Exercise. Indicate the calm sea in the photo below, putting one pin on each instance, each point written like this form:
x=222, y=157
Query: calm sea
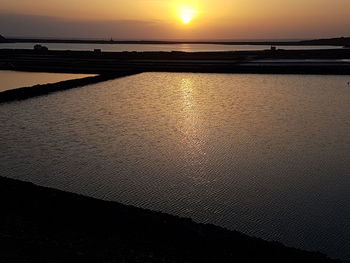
x=156, y=47
x=268, y=155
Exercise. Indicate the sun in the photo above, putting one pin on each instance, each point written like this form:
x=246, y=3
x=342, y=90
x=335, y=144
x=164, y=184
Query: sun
x=186, y=14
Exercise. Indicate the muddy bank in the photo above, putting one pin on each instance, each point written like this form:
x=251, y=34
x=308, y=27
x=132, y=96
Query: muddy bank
x=201, y=62
x=39, y=90
x=39, y=224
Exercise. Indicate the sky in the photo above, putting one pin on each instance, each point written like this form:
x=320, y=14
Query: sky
x=175, y=19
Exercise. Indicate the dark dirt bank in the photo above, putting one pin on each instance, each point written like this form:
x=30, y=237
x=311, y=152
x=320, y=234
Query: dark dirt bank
x=201, y=62
x=39, y=90
x=39, y=224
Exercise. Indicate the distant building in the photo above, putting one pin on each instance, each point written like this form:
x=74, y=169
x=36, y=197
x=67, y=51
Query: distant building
x=38, y=47
x=273, y=48
x=97, y=50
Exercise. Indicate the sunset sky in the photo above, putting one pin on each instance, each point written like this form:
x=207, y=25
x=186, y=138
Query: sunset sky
x=165, y=19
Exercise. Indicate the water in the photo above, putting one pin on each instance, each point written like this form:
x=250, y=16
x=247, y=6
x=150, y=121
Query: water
x=268, y=155
x=155, y=47
x=15, y=79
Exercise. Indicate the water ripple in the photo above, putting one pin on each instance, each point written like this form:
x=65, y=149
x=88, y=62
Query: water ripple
x=268, y=155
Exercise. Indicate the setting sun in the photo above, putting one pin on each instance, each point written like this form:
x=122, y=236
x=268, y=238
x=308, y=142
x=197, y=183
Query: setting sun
x=186, y=14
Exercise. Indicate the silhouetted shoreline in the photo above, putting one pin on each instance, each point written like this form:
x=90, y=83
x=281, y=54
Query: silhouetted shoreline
x=97, y=62
x=341, y=41
x=39, y=224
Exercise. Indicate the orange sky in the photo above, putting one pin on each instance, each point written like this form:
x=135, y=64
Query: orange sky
x=213, y=19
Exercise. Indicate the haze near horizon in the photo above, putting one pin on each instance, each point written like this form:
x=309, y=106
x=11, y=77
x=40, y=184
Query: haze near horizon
x=175, y=19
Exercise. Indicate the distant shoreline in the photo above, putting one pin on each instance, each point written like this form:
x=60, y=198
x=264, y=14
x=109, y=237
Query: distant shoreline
x=91, y=62
x=343, y=41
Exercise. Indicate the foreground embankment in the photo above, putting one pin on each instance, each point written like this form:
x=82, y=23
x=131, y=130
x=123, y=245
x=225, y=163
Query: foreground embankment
x=202, y=62
x=39, y=224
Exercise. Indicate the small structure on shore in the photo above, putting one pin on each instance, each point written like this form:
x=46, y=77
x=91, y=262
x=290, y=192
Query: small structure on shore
x=38, y=47
x=2, y=39
x=273, y=48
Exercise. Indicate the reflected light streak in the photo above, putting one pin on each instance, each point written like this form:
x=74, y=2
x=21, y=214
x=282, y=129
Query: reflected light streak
x=193, y=132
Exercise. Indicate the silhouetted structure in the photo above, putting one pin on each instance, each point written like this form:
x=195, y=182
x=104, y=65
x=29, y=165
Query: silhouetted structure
x=40, y=48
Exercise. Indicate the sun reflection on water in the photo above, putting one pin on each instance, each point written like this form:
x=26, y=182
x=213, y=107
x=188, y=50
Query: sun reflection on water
x=193, y=131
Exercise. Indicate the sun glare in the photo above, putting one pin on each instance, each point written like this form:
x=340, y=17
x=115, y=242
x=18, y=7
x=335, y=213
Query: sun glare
x=186, y=14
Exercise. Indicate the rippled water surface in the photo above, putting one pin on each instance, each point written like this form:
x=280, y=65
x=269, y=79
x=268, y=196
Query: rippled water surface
x=268, y=155
x=15, y=79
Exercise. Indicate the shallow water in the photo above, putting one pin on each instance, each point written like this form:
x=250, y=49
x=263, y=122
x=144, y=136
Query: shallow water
x=156, y=47
x=15, y=79
x=268, y=155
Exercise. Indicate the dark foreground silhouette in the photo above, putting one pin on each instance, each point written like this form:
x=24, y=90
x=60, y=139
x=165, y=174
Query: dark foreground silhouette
x=39, y=224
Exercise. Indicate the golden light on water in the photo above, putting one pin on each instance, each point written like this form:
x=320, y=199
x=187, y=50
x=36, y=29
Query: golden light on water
x=186, y=14
x=193, y=135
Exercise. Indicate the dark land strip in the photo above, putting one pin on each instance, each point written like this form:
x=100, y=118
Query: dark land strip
x=39, y=90
x=199, y=62
x=39, y=224
x=340, y=41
